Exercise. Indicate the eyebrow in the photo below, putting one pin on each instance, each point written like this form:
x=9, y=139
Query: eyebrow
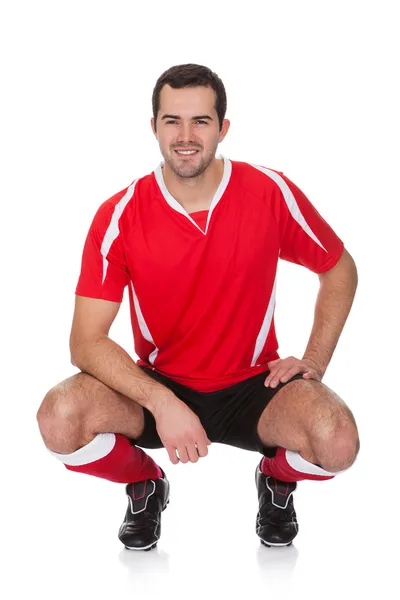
x=178, y=117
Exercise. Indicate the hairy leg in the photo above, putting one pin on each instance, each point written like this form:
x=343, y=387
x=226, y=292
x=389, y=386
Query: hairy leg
x=75, y=410
x=311, y=419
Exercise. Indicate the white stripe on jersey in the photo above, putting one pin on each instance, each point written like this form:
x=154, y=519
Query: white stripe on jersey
x=144, y=329
x=266, y=324
x=113, y=228
x=291, y=202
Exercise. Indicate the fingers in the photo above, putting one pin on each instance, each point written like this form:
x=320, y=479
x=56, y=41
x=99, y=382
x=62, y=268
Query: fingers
x=273, y=378
x=283, y=370
x=172, y=454
x=192, y=453
x=189, y=452
x=281, y=375
x=273, y=362
x=202, y=449
x=286, y=376
x=183, y=454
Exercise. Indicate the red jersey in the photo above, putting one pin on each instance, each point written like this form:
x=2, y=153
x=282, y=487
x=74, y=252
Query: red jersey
x=202, y=286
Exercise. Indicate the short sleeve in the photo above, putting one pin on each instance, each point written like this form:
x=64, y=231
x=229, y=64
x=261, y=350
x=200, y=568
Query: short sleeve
x=305, y=237
x=104, y=273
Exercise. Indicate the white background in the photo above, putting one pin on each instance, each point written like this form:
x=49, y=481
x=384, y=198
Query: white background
x=312, y=91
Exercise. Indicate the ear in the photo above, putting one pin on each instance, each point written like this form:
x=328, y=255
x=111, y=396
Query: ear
x=225, y=127
x=152, y=126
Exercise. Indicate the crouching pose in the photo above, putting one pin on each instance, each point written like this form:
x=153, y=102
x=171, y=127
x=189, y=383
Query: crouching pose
x=197, y=242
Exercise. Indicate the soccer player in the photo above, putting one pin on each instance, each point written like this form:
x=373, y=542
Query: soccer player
x=197, y=242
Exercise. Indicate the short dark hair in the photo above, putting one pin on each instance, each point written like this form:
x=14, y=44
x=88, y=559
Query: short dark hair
x=191, y=75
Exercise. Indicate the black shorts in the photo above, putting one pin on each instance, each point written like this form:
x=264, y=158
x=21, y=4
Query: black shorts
x=229, y=416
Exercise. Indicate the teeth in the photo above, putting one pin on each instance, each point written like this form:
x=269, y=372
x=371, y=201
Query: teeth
x=186, y=151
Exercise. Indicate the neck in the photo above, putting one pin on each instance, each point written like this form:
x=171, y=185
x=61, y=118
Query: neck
x=194, y=193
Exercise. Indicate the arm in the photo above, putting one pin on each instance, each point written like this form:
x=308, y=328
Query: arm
x=98, y=296
x=335, y=298
x=307, y=239
x=93, y=352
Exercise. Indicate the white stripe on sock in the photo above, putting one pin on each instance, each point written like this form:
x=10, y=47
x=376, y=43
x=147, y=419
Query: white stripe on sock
x=299, y=463
x=99, y=447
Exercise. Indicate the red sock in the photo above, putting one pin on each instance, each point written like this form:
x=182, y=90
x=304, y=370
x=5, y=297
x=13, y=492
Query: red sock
x=290, y=466
x=111, y=456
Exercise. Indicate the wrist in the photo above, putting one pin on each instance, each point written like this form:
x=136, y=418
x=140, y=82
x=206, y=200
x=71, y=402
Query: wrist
x=315, y=362
x=161, y=401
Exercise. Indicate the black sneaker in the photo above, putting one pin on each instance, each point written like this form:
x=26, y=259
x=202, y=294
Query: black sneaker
x=147, y=499
x=276, y=523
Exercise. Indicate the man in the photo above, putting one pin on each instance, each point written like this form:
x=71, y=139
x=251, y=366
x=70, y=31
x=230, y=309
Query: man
x=197, y=242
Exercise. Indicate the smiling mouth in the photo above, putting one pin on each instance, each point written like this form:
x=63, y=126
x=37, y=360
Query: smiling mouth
x=187, y=153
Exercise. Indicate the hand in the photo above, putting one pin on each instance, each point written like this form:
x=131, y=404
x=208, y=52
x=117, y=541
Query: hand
x=180, y=429
x=283, y=369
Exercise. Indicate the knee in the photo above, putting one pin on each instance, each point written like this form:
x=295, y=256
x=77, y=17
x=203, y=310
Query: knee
x=57, y=414
x=337, y=448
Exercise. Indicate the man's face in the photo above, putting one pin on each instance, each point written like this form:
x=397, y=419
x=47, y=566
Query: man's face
x=179, y=127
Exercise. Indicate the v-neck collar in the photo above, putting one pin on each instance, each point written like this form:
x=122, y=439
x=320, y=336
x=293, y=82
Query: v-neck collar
x=217, y=196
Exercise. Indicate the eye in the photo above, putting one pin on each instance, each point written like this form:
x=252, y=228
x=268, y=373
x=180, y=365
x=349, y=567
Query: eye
x=198, y=121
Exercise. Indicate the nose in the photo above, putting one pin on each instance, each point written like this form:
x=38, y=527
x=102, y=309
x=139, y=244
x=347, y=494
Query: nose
x=186, y=135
